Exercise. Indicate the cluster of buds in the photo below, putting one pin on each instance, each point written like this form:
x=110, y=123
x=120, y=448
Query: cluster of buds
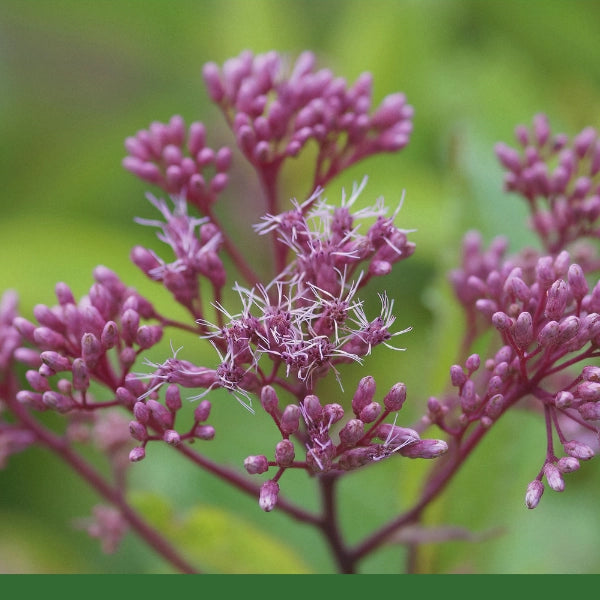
x=346, y=447
x=548, y=318
x=195, y=243
x=569, y=190
x=179, y=162
x=326, y=240
x=98, y=339
x=275, y=111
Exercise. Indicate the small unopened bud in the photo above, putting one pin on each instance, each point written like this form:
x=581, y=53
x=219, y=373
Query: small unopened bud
x=588, y=391
x=138, y=431
x=172, y=437
x=370, y=412
x=138, y=453
x=567, y=464
x=523, y=330
x=590, y=411
x=161, y=414
x=173, y=398
x=365, y=391
x=556, y=301
x=554, y=477
x=577, y=283
x=457, y=375
x=425, y=449
x=269, y=400
x=290, y=419
x=141, y=412
x=549, y=333
x=148, y=335
x=534, y=493
x=269, y=492
x=31, y=400
x=563, y=399
x=501, y=321
x=568, y=329
x=284, y=453
x=255, y=465
x=202, y=411
x=473, y=362
x=55, y=361
x=91, y=349
x=58, y=402
x=352, y=432
x=204, y=432
x=312, y=407
x=332, y=413
x=395, y=398
x=81, y=377
x=578, y=450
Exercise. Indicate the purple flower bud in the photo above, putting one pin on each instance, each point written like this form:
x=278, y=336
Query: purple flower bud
x=110, y=335
x=38, y=382
x=563, y=399
x=269, y=492
x=269, y=400
x=549, y=333
x=370, y=412
x=31, y=400
x=81, y=376
x=395, y=398
x=64, y=295
x=567, y=464
x=534, y=493
x=127, y=357
x=204, y=432
x=396, y=435
x=28, y=356
x=55, y=361
x=473, y=363
x=568, y=329
x=332, y=413
x=138, y=453
x=425, y=449
x=58, y=402
x=578, y=450
x=141, y=412
x=202, y=411
x=590, y=411
x=501, y=321
x=290, y=419
x=161, y=414
x=48, y=339
x=364, y=394
x=523, y=330
x=138, y=431
x=130, y=321
x=172, y=437
x=173, y=398
x=588, y=391
x=457, y=376
x=356, y=457
x=25, y=328
x=46, y=317
x=554, y=477
x=284, y=453
x=91, y=350
x=255, y=465
x=352, y=432
x=148, y=335
x=556, y=301
x=545, y=274
x=577, y=283
x=494, y=406
x=312, y=407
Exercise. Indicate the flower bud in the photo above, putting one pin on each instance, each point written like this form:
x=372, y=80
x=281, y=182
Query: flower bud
x=312, y=407
x=534, y=493
x=590, y=411
x=255, y=465
x=332, y=413
x=138, y=453
x=91, y=349
x=269, y=492
x=138, y=431
x=578, y=450
x=424, y=449
x=370, y=412
x=577, y=283
x=549, y=333
x=172, y=437
x=204, y=432
x=563, y=399
x=394, y=399
x=556, y=301
x=268, y=399
x=141, y=412
x=567, y=464
x=81, y=377
x=554, y=477
x=352, y=432
x=457, y=376
x=290, y=419
x=501, y=321
x=58, y=402
x=523, y=330
x=55, y=361
x=161, y=414
x=173, y=398
x=365, y=391
x=202, y=411
x=284, y=453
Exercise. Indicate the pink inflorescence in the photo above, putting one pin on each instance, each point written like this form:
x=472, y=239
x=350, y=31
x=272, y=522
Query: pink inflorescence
x=560, y=178
x=275, y=110
x=179, y=161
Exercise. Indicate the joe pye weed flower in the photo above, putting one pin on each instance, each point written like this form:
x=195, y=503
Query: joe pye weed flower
x=282, y=335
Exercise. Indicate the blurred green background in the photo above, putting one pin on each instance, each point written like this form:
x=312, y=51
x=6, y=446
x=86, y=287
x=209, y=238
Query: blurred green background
x=77, y=77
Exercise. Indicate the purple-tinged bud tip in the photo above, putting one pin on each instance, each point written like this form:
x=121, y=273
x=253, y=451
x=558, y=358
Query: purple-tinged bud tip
x=534, y=493
x=269, y=492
